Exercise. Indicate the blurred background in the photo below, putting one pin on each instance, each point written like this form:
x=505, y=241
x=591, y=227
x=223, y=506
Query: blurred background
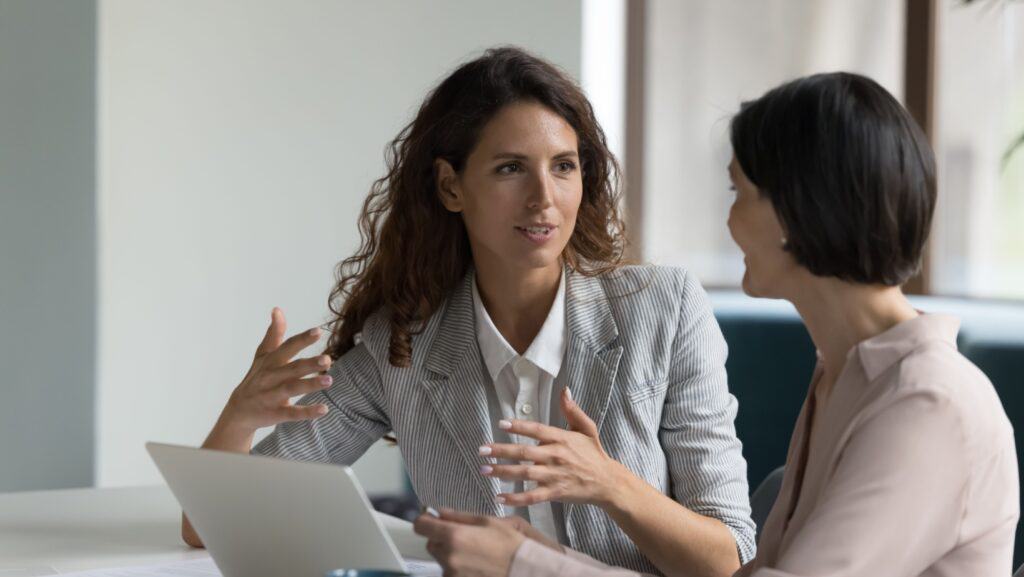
x=170, y=171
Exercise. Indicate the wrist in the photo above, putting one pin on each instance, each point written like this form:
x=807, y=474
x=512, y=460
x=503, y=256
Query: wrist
x=624, y=490
x=229, y=434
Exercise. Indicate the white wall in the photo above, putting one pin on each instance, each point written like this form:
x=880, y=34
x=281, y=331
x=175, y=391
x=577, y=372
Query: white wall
x=703, y=59
x=236, y=142
x=47, y=244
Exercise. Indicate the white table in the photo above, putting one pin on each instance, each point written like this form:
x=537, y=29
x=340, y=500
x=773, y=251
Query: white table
x=81, y=529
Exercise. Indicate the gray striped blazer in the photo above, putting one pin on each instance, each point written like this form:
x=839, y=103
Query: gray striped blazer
x=645, y=359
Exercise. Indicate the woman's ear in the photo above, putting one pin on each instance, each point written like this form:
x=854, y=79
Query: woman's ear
x=448, y=189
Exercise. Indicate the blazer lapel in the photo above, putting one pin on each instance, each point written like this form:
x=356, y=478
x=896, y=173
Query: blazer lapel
x=592, y=357
x=593, y=353
x=455, y=388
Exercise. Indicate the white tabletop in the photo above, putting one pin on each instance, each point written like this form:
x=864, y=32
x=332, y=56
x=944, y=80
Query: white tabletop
x=81, y=529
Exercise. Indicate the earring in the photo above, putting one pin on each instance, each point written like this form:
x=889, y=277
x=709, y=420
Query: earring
x=784, y=242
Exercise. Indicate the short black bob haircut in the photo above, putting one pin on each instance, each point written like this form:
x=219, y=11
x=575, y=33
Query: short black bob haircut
x=850, y=174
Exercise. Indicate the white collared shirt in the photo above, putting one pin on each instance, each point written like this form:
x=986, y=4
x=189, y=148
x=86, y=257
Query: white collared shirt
x=523, y=383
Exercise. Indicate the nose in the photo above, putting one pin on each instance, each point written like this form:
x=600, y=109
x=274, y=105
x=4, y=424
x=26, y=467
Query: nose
x=541, y=192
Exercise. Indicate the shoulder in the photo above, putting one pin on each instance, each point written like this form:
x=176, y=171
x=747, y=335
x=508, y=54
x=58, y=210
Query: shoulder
x=666, y=285
x=656, y=295
x=947, y=387
x=373, y=342
x=660, y=309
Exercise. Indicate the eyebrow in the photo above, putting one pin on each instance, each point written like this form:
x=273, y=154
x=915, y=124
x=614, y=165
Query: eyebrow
x=521, y=156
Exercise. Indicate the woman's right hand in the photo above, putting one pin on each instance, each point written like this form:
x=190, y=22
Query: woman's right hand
x=263, y=398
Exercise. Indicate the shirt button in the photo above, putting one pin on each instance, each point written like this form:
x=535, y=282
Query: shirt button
x=526, y=408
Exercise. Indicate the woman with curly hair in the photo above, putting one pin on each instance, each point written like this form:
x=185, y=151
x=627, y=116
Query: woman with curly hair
x=491, y=278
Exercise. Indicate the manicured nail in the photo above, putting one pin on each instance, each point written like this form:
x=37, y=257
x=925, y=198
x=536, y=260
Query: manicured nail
x=324, y=379
x=500, y=499
x=486, y=470
x=504, y=424
x=324, y=361
x=484, y=450
x=568, y=394
x=314, y=332
x=432, y=512
x=321, y=410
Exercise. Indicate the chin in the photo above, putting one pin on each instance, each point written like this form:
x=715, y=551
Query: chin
x=540, y=260
x=541, y=257
x=751, y=288
x=747, y=286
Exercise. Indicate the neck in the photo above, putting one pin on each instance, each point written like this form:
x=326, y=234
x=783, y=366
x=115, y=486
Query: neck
x=839, y=315
x=518, y=301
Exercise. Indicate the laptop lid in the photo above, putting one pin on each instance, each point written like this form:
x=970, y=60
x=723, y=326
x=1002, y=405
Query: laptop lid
x=265, y=517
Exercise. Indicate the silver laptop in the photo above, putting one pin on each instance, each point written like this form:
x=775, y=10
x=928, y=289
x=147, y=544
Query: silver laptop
x=265, y=517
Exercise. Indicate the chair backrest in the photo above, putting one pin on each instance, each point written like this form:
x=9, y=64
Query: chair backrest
x=763, y=499
x=771, y=359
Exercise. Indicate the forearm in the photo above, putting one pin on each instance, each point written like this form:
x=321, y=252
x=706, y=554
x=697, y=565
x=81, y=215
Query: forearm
x=225, y=436
x=677, y=540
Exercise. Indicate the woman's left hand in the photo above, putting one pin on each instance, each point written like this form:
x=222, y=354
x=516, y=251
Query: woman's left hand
x=567, y=465
x=468, y=545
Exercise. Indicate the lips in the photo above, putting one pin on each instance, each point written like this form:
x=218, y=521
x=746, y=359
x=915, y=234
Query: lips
x=538, y=233
x=540, y=229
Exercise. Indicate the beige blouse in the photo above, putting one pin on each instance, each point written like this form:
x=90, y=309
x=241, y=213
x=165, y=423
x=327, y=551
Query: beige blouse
x=910, y=470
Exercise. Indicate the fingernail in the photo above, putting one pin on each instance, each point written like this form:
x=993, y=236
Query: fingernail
x=500, y=499
x=504, y=424
x=314, y=332
x=568, y=394
x=321, y=410
x=486, y=470
x=324, y=379
x=324, y=361
x=484, y=450
x=432, y=511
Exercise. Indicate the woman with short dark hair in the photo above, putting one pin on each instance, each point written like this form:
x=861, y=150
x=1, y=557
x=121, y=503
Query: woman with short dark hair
x=902, y=462
x=847, y=172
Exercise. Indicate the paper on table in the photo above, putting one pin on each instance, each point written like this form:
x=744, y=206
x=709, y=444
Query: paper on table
x=28, y=572
x=412, y=547
x=194, y=568
x=206, y=568
x=409, y=544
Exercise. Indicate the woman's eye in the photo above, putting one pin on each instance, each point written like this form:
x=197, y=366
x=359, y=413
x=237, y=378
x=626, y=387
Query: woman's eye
x=510, y=168
x=566, y=166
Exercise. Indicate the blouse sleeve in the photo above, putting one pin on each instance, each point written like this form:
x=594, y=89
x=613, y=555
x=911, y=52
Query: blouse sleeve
x=535, y=560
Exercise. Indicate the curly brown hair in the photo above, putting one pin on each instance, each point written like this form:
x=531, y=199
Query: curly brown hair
x=414, y=252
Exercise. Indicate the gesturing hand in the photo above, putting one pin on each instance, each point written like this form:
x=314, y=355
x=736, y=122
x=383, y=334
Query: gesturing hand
x=263, y=397
x=566, y=465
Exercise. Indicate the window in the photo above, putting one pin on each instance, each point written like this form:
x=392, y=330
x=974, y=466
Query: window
x=702, y=58
x=978, y=237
